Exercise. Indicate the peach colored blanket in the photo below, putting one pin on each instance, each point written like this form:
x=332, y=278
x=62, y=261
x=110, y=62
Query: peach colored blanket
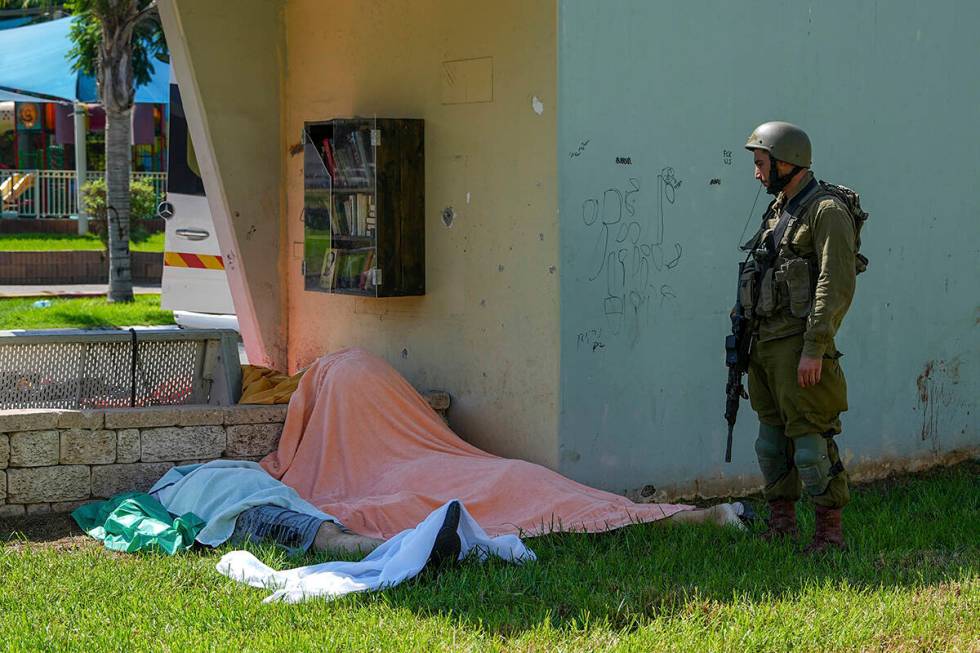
x=361, y=444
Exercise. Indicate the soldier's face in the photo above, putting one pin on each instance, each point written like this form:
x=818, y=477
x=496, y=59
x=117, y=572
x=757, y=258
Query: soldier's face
x=761, y=166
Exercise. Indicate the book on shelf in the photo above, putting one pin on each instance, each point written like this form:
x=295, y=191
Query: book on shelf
x=371, y=221
x=349, y=159
x=328, y=269
x=328, y=158
x=335, y=217
x=367, y=274
x=352, y=264
x=361, y=213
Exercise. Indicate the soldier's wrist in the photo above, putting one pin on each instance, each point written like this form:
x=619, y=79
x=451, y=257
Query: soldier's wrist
x=813, y=349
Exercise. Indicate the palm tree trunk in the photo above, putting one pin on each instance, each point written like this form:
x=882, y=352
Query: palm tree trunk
x=115, y=78
x=118, y=162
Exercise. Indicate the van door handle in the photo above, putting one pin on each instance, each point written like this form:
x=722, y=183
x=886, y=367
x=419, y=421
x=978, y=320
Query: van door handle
x=193, y=234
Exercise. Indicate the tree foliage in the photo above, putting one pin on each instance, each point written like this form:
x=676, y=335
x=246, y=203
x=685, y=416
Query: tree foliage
x=149, y=46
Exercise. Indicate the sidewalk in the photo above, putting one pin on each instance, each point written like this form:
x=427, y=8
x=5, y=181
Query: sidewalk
x=70, y=290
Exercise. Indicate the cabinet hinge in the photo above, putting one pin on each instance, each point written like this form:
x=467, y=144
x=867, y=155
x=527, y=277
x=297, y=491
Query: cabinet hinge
x=375, y=137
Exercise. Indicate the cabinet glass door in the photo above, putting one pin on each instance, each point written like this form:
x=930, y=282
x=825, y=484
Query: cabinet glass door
x=355, y=206
x=317, y=203
x=342, y=230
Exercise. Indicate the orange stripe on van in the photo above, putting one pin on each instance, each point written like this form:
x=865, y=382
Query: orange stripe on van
x=198, y=261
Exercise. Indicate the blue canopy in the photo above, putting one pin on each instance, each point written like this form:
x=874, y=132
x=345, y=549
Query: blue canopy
x=9, y=96
x=10, y=23
x=33, y=59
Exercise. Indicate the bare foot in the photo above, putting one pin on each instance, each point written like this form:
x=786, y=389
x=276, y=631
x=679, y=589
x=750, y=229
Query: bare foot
x=723, y=514
x=333, y=537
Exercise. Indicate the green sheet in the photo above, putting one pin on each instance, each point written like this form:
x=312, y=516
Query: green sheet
x=135, y=521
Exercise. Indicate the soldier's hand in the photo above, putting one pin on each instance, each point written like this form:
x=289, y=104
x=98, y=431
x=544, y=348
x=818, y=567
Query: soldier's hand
x=808, y=373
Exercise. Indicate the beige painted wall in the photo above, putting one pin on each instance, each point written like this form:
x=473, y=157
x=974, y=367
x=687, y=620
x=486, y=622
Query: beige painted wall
x=228, y=59
x=487, y=329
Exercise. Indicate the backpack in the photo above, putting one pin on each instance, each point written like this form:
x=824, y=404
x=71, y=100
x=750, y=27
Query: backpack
x=852, y=201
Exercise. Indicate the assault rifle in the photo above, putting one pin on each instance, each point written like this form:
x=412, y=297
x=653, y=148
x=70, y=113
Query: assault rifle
x=737, y=348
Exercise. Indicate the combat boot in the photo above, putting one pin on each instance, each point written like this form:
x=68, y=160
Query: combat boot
x=828, y=534
x=782, y=520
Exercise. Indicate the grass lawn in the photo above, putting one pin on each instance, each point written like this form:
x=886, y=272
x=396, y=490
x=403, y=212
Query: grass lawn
x=81, y=313
x=61, y=242
x=910, y=582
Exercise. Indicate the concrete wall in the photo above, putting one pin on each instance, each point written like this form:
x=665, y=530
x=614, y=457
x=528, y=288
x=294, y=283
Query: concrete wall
x=228, y=60
x=888, y=92
x=487, y=326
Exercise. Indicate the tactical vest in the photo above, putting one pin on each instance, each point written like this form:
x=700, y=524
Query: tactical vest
x=776, y=278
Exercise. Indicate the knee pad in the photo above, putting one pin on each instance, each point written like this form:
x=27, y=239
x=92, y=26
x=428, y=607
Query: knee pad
x=772, y=453
x=813, y=462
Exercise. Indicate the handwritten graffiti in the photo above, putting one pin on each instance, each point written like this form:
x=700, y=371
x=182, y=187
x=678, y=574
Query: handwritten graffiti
x=581, y=148
x=629, y=252
x=591, y=339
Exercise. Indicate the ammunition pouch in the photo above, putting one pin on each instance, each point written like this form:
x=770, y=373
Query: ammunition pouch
x=794, y=276
x=747, y=290
x=774, y=284
x=768, y=296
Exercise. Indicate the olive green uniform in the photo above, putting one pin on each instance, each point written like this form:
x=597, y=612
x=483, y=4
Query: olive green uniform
x=799, y=305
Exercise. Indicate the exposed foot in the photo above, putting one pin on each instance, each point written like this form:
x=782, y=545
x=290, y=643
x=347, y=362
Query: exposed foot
x=746, y=513
x=727, y=514
x=334, y=537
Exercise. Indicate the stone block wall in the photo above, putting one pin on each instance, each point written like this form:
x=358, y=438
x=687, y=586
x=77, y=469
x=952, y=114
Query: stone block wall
x=56, y=460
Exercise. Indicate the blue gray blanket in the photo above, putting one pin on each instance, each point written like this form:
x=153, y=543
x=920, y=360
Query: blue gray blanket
x=220, y=490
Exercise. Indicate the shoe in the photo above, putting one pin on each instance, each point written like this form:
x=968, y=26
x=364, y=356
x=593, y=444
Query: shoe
x=447, y=546
x=782, y=521
x=828, y=534
x=746, y=513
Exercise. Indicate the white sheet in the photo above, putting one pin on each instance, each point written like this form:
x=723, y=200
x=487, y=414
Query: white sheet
x=398, y=559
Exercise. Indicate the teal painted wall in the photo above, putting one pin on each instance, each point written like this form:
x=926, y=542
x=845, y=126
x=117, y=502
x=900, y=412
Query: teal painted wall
x=889, y=92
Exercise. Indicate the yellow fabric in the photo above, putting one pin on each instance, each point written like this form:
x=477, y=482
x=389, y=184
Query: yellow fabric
x=261, y=385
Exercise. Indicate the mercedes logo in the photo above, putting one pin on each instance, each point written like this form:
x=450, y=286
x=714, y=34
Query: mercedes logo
x=165, y=210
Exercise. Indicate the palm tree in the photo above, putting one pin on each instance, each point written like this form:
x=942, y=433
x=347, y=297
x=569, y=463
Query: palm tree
x=104, y=37
x=114, y=41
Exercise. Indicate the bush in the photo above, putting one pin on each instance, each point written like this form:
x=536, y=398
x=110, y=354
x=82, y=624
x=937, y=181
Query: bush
x=142, y=207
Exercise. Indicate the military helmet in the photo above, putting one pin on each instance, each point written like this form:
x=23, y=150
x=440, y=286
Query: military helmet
x=784, y=141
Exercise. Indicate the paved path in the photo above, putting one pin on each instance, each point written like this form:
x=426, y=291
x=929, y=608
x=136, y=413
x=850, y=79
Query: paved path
x=68, y=290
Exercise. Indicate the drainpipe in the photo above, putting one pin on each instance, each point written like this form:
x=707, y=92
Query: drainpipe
x=81, y=169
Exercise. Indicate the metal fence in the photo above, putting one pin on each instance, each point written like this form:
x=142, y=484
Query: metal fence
x=51, y=193
x=75, y=369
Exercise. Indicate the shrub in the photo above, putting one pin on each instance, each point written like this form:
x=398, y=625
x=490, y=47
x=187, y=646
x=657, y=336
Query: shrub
x=142, y=207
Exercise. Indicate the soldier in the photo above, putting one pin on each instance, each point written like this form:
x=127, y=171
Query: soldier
x=802, y=272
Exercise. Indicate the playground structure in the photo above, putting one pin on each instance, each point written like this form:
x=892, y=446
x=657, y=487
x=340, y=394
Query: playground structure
x=12, y=188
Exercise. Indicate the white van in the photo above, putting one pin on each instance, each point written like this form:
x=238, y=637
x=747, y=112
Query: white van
x=195, y=286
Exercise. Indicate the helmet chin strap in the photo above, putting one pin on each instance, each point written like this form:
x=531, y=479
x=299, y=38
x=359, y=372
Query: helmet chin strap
x=776, y=182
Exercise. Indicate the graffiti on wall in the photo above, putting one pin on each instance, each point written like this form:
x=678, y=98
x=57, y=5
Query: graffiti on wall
x=630, y=252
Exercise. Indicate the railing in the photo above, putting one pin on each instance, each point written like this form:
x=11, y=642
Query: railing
x=51, y=193
x=78, y=369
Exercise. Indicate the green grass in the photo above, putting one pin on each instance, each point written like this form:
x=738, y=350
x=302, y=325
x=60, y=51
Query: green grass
x=63, y=242
x=909, y=582
x=81, y=313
